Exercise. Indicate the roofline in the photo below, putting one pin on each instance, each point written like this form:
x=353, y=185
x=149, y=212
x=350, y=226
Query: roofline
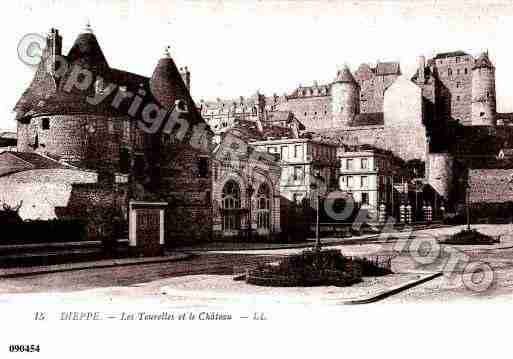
x=292, y=140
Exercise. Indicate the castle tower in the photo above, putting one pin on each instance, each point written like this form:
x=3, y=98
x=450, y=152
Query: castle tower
x=345, y=97
x=484, y=105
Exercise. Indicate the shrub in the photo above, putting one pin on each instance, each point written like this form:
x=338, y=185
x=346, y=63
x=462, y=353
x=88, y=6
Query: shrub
x=470, y=237
x=37, y=231
x=315, y=268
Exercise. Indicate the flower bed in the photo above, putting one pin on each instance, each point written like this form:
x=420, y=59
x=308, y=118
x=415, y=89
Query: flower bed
x=315, y=268
x=470, y=237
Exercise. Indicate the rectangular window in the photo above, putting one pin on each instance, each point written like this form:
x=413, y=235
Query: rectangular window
x=298, y=173
x=203, y=167
x=365, y=198
x=364, y=163
x=283, y=153
x=298, y=151
x=45, y=124
x=364, y=182
x=124, y=160
x=350, y=182
x=349, y=164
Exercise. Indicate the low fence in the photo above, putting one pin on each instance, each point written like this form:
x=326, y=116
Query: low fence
x=344, y=230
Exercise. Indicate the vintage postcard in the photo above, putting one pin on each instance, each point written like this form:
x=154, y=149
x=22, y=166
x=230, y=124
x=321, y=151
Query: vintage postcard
x=198, y=177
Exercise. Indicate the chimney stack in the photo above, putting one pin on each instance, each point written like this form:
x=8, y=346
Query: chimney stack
x=186, y=77
x=53, y=50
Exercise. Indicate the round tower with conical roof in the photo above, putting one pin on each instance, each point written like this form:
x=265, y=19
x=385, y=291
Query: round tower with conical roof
x=345, y=97
x=484, y=105
x=166, y=82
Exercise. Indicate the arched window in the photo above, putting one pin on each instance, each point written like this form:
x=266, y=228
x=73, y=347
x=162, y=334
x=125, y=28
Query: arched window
x=231, y=206
x=264, y=207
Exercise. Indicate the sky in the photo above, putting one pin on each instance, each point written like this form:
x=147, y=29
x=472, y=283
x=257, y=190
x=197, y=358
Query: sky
x=234, y=48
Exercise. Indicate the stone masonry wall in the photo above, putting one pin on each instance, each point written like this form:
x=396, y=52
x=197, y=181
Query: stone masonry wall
x=189, y=214
x=93, y=140
x=455, y=74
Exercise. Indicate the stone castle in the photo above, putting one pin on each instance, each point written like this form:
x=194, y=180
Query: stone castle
x=435, y=116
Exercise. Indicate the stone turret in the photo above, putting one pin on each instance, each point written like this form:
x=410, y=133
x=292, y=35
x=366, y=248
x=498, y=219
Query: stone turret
x=484, y=107
x=345, y=97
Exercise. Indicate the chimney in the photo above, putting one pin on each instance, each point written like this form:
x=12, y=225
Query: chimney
x=422, y=66
x=186, y=77
x=295, y=129
x=53, y=49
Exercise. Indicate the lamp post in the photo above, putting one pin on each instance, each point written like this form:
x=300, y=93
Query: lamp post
x=250, y=190
x=314, y=186
x=467, y=199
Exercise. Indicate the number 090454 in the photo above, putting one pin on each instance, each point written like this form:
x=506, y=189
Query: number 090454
x=26, y=348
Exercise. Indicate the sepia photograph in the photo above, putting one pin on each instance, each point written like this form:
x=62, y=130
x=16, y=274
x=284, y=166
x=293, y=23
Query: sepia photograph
x=242, y=174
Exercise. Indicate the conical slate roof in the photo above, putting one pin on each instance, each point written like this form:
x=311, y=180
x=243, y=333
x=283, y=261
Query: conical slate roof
x=45, y=95
x=167, y=86
x=483, y=61
x=87, y=52
x=344, y=75
x=166, y=83
x=48, y=96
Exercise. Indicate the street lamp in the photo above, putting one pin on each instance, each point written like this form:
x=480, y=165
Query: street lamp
x=250, y=190
x=314, y=186
x=467, y=200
